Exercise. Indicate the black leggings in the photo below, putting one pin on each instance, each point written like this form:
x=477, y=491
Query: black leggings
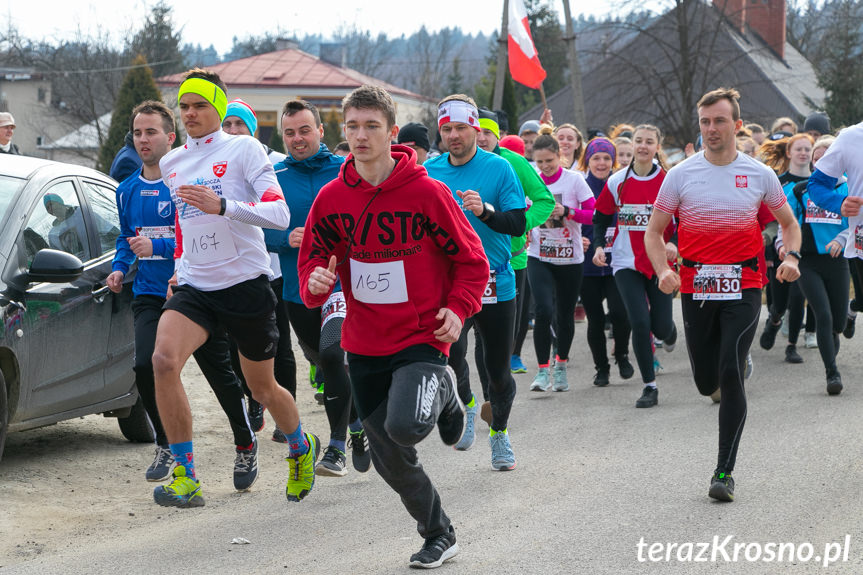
x=718, y=337
x=555, y=291
x=147, y=310
x=331, y=360
x=495, y=324
x=522, y=309
x=788, y=297
x=824, y=283
x=649, y=310
x=593, y=290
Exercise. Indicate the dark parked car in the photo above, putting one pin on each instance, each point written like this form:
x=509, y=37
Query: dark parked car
x=67, y=342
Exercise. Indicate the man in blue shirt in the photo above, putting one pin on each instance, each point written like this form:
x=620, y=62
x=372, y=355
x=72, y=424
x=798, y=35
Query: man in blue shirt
x=147, y=233
x=489, y=192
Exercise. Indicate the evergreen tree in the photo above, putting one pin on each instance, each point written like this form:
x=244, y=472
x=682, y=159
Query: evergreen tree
x=332, y=121
x=839, y=70
x=276, y=143
x=138, y=85
x=158, y=42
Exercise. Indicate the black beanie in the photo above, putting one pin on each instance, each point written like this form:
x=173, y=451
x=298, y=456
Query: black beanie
x=415, y=134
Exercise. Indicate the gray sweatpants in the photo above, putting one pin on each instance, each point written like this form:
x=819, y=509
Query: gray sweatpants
x=398, y=398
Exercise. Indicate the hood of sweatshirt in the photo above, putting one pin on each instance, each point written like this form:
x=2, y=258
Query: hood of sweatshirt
x=404, y=173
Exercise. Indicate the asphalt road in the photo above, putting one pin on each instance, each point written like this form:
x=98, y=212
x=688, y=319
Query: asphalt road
x=599, y=486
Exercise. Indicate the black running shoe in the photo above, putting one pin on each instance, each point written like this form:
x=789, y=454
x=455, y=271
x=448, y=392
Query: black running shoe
x=848, y=332
x=721, y=486
x=452, y=420
x=768, y=336
x=624, y=367
x=360, y=454
x=435, y=551
x=333, y=463
x=601, y=378
x=791, y=355
x=649, y=397
x=256, y=415
x=246, y=468
x=834, y=383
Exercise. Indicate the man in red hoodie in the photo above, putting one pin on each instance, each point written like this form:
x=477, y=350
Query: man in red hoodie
x=412, y=270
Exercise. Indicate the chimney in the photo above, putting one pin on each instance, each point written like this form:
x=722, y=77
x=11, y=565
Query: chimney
x=767, y=19
x=286, y=44
x=333, y=53
x=734, y=11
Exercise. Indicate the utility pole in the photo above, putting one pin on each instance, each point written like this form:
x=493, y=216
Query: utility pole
x=501, y=58
x=574, y=72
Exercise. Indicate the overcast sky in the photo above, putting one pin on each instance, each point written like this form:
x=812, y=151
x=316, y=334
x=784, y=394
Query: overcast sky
x=201, y=24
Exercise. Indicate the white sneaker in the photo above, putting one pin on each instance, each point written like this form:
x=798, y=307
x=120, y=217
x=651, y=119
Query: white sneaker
x=810, y=340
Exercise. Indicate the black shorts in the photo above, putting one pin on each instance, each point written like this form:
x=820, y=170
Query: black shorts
x=246, y=311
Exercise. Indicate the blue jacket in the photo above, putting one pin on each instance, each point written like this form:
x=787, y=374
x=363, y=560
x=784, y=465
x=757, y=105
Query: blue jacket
x=143, y=203
x=300, y=182
x=126, y=161
x=822, y=233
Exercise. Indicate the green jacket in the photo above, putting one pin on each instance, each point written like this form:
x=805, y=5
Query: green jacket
x=540, y=208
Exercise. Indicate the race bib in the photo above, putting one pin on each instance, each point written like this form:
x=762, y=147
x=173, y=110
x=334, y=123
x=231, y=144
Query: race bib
x=155, y=233
x=816, y=215
x=609, y=240
x=490, y=293
x=717, y=282
x=554, y=247
x=209, y=242
x=634, y=217
x=382, y=283
x=335, y=307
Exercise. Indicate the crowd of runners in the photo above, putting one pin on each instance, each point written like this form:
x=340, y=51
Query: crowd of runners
x=382, y=254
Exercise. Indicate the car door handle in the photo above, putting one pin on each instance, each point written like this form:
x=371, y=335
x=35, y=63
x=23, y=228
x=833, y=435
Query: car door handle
x=100, y=293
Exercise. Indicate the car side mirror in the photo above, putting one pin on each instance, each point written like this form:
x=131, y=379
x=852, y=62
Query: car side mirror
x=54, y=266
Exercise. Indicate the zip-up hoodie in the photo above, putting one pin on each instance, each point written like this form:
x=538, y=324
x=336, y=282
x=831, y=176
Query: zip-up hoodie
x=410, y=222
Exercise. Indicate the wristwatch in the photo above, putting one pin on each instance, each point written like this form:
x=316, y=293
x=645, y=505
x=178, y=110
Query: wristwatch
x=794, y=253
x=487, y=211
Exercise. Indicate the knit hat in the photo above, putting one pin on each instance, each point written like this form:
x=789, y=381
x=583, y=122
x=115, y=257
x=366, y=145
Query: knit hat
x=6, y=119
x=818, y=122
x=598, y=145
x=529, y=126
x=779, y=135
x=502, y=120
x=488, y=120
x=244, y=112
x=513, y=143
x=414, y=134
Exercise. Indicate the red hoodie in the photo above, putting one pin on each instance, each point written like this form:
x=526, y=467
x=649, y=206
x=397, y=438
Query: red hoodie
x=412, y=253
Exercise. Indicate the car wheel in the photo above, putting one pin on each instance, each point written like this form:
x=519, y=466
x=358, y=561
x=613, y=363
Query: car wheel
x=4, y=414
x=136, y=427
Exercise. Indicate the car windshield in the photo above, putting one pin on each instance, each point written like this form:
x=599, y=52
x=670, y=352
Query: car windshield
x=9, y=188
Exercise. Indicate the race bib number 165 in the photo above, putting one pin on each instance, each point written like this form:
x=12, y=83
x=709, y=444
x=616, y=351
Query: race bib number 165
x=379, y=282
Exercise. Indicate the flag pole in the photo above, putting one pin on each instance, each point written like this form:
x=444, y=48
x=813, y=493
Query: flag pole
x=502, y=41
x=542, y=97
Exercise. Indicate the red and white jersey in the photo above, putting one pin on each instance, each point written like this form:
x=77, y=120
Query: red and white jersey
x=631, y=197
x=215, y=252
x=717, y=209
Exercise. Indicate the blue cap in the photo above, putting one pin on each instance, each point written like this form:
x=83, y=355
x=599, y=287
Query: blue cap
x=244, y=112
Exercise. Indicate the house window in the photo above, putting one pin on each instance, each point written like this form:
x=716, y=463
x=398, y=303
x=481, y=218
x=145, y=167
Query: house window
x=41, y=95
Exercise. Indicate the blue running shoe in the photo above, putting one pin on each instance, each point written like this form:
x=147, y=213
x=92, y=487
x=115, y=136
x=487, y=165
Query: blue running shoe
x=467, y=439
x=502, y=457
x=516, y=365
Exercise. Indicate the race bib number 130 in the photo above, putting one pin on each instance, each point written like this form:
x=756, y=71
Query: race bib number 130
x=717, y=282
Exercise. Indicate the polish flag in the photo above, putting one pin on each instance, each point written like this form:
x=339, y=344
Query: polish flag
x=524, y=63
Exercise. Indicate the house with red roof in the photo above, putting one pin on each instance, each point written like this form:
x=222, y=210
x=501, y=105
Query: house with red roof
x=267, y=81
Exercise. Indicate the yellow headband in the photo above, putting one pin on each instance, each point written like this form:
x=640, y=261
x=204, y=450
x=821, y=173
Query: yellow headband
x=490, y=124
x=208, y=91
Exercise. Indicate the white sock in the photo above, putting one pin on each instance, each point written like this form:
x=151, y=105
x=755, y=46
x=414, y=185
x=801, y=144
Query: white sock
x=651, y=384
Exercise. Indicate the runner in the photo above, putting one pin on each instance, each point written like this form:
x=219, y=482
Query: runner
x=824, y=276
x=597, y=164
x=147, y=234
x=541, y=205
x=223, y=188
x=630, y=194
x=241, y=120
x=414, y=270
x=485, y=185
x=308, y=167
x=571, y=145
x=555, y=260
x=717, y=194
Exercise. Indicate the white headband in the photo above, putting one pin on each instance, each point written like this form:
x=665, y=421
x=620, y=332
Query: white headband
x=458, y=111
